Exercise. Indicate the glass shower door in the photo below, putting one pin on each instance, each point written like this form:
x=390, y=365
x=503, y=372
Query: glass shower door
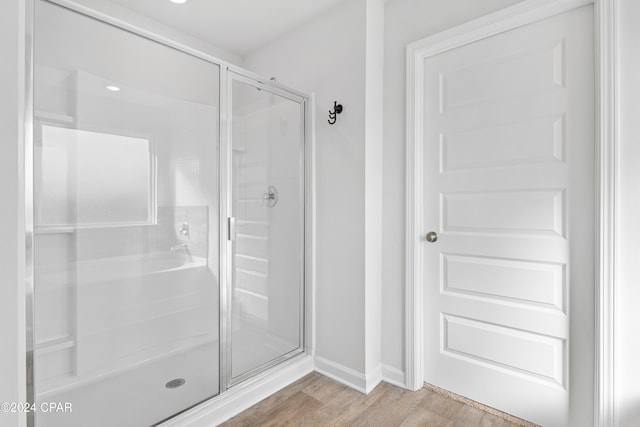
x=266, y=229
x=126, y=141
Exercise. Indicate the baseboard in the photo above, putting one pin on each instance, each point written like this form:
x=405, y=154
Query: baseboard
x=393, y=376
x=373, y=378
x=221, y=408
x=347, y=376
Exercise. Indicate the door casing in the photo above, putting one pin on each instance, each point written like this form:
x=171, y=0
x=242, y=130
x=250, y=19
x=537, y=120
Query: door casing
x=605, y=191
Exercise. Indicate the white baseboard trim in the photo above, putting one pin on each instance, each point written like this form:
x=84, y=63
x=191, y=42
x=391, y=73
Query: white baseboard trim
x=373, y=378
x=393, y=376
x=347, y=376
x=221, y=408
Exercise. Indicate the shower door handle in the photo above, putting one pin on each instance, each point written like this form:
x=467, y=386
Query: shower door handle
x=231, y=229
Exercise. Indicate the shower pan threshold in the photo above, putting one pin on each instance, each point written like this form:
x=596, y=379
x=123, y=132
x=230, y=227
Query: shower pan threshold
x=243, y=395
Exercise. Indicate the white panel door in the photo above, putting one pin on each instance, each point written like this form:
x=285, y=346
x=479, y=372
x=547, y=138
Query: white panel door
x=509, y=183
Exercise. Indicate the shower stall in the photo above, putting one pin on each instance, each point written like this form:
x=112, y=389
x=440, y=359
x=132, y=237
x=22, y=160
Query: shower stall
x=168, y=223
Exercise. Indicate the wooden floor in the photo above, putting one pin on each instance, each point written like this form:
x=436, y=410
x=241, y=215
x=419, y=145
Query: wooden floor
x=316, y=400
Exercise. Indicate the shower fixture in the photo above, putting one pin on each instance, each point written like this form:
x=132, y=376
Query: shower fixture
x=184, y=229
x=179, y=246
x=270, y=198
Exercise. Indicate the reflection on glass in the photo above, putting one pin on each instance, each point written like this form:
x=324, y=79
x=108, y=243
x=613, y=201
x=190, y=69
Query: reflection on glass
x=94, y=178
x=126, y=238
x=268, y=211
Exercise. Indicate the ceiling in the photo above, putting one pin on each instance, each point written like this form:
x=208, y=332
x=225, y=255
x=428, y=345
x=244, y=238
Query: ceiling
x=238, y=26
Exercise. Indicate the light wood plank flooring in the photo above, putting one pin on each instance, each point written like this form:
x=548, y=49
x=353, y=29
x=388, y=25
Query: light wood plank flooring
x=316, y=400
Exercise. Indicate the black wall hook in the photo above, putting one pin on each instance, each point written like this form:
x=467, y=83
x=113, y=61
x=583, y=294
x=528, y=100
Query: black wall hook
x=337, y=109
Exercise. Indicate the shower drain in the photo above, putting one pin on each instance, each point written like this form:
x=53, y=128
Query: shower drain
x=178, y=382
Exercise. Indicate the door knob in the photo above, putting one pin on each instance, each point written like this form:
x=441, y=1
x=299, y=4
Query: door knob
x=431, y=236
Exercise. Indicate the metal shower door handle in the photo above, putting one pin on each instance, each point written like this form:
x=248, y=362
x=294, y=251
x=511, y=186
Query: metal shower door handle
x=231, y=229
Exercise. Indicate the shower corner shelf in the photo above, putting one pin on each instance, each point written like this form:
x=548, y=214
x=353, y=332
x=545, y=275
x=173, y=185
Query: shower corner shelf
x=55, y=345
x=53, y=117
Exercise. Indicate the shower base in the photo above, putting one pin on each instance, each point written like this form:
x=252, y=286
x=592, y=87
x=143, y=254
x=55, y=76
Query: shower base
x=139, y=396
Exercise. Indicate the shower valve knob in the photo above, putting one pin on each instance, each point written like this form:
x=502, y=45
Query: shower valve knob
x=270, y=198
x=184, y=229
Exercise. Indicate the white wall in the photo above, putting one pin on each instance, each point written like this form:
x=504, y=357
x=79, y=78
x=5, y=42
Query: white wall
x=628, y=269
x=405, y=22
x=12, y=350
x=329, y=56
x=115, y=10
x=374, y=110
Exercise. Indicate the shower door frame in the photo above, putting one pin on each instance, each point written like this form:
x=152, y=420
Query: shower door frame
x=226, y=69
x=226, y=167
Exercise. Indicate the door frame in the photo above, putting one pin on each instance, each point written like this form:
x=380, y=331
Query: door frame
x=606, y=184
x=227, y=78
